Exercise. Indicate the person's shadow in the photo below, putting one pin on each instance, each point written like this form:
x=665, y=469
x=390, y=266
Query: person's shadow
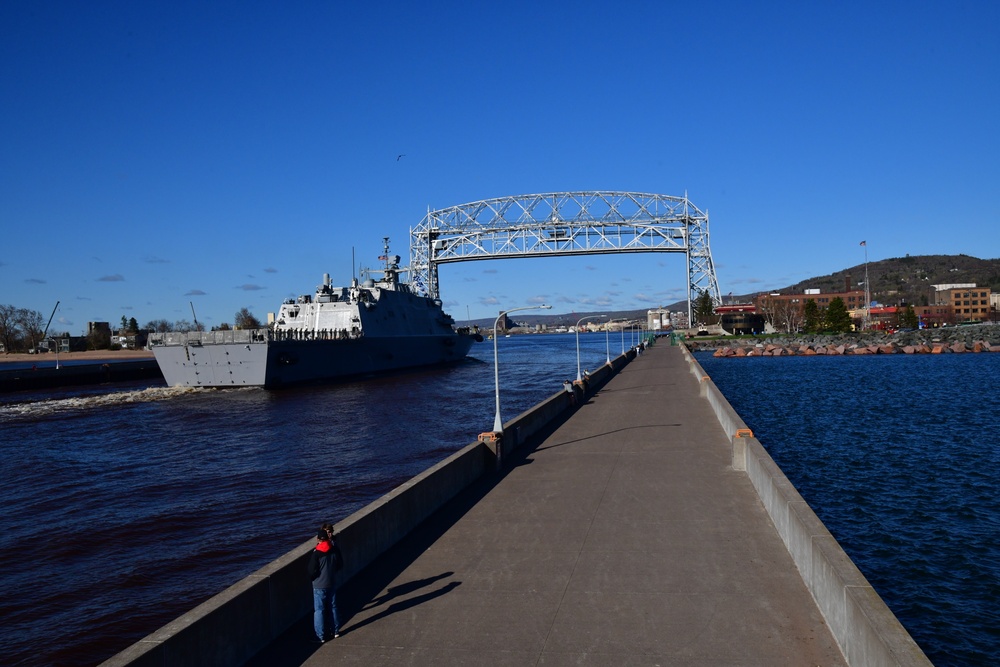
x=404, y=589
x=408, y=602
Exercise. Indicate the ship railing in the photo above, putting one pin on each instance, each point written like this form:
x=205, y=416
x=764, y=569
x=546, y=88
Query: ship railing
x=316, y=334
x=251, y=336
x=242, y=336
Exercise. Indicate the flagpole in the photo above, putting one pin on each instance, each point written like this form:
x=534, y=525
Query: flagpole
x=868, y=294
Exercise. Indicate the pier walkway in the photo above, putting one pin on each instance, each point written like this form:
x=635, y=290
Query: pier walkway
x=624, y=537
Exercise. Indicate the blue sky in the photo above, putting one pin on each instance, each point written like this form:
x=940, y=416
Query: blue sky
x=230, y=153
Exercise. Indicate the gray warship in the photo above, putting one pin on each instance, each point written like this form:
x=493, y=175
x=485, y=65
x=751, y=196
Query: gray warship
x=375, y=326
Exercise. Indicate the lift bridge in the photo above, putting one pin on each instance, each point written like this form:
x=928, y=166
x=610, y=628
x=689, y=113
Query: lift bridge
x=562, y=224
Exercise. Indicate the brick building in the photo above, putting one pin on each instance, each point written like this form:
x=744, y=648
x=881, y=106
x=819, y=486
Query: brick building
x=956, y=302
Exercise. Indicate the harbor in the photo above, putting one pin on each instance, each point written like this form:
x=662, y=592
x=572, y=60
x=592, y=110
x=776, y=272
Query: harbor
x=904, y=494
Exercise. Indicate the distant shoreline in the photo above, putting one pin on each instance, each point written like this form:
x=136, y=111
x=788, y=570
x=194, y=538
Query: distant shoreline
x=89, y=355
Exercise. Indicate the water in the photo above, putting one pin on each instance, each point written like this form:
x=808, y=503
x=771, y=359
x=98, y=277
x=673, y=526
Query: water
x=125, y=506
x=898, y=456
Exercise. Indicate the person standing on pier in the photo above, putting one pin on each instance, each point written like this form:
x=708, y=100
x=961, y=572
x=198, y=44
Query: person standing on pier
x=324, y=561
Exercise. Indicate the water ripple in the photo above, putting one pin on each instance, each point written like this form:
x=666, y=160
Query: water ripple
x=163, y=497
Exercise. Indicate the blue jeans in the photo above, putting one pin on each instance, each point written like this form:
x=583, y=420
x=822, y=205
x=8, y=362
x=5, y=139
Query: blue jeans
x=325, y=606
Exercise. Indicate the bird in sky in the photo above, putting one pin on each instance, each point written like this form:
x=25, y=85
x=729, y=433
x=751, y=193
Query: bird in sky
x=401, y=155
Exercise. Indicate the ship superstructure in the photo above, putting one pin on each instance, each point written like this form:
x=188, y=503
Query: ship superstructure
x=372, y=326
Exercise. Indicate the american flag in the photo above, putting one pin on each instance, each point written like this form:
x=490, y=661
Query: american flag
x=864, y=243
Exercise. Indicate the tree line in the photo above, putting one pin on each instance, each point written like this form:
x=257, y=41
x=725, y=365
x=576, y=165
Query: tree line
x=810, y=318
x=22, y=329
x=807, y=318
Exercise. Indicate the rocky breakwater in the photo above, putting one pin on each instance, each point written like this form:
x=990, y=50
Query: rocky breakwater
x=949, y=340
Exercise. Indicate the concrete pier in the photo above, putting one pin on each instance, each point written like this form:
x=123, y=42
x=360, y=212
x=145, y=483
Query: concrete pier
x=623, y=537
x=649, y=527
x=99, y=372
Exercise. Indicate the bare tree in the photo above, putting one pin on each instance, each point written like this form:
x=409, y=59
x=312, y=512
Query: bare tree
x=30, y=323
x=792, y=316
x=767, y=305
x=99, y=339
x=158, y=326
x=183, y=325
x=246, y=320
x=8, y=327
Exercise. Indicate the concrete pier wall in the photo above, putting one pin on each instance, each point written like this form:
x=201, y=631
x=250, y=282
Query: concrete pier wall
x=234, y=625
x=47, y=377
x=867, y=631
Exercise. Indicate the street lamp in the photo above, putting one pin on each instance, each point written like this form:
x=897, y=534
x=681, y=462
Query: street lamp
x=579, y=377
x=607, y=341
x=497, y=424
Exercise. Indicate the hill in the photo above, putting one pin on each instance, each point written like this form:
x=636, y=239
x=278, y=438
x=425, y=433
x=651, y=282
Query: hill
x=907, y=279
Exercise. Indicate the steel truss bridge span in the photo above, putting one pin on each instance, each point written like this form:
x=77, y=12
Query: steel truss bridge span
x=561, y=224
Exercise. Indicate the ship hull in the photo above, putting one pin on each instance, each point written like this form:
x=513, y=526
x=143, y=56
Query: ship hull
x=281, y=363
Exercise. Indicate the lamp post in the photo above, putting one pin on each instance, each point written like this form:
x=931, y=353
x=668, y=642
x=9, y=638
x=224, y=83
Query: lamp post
x=579, y=376
x=497, y=423
x=607, y=341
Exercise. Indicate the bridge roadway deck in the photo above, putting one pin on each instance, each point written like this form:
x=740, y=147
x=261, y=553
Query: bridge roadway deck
x=623, y=538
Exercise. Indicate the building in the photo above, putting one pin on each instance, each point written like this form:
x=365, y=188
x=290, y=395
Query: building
x=884, y=318
x=658, y=319
x=129, y=340
x=968, y=302
x=955, y=303
x=786, y=312
x=740, y=319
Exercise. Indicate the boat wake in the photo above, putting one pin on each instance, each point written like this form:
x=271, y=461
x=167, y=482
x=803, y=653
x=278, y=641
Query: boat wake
x=58, y=406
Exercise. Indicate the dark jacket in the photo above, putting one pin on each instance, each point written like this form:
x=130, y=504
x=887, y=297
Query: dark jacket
x=324, y=561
